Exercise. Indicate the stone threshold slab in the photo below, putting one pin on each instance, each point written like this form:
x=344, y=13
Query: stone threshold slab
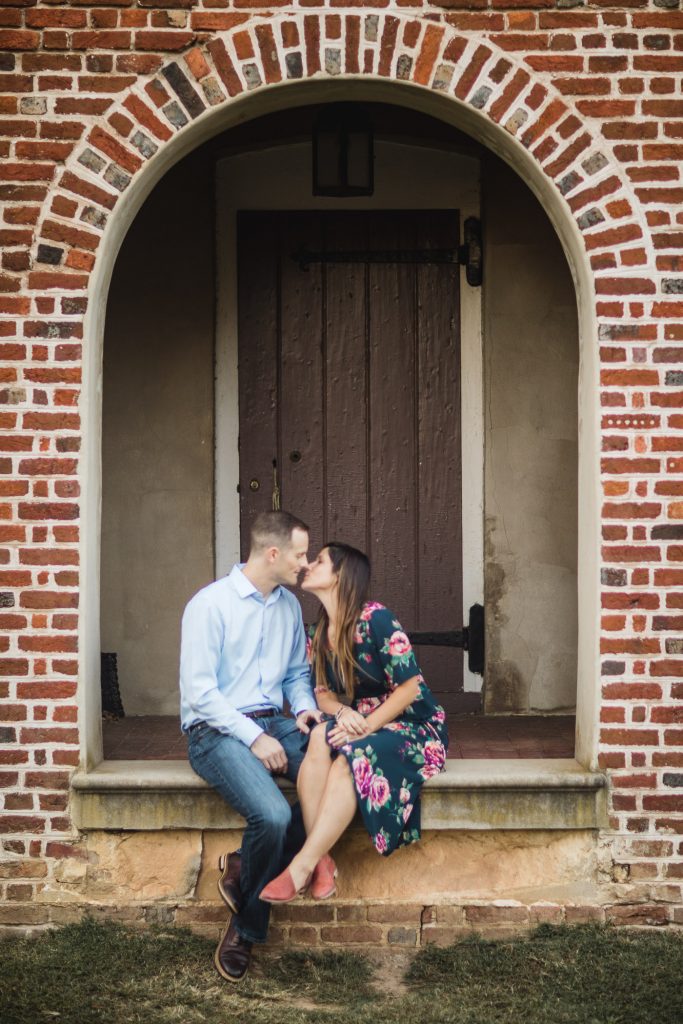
x=471, y=794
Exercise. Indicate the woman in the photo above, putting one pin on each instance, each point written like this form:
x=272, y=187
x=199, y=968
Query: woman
x=373, y=752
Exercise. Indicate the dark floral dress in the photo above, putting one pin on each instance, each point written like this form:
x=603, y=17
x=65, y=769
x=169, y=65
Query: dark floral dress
x=390, y=766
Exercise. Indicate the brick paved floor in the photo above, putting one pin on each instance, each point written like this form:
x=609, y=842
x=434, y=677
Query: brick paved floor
x=156, y=737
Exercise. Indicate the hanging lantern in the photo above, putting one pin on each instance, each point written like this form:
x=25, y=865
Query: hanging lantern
x=343, y=151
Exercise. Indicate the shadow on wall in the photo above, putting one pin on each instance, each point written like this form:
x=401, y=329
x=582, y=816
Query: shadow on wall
x=157, y=449
x=531, y=356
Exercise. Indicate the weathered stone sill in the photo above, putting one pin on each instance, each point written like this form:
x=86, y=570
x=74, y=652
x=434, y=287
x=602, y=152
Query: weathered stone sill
x=470, y=794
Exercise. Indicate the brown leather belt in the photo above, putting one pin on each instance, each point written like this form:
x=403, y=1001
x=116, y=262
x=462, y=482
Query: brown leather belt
x=266, y=713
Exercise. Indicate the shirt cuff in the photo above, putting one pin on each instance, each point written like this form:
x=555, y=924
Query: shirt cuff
x=246, y=730
x=304, y=707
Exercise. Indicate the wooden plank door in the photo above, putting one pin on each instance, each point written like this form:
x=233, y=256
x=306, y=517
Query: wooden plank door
x=349, y=381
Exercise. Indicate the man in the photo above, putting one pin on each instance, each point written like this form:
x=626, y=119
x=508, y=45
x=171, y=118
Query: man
x=243, y=649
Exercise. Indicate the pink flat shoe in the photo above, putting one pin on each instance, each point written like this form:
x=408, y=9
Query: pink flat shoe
x=282, y=888
x=323, y=878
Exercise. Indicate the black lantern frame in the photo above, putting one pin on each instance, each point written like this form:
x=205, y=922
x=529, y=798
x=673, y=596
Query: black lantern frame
x=343, y=151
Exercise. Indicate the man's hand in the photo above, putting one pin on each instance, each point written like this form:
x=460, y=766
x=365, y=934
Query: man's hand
x=305, y=719
x=270, y=753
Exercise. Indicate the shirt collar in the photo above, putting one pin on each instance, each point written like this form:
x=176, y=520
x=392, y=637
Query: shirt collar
x=245, y=588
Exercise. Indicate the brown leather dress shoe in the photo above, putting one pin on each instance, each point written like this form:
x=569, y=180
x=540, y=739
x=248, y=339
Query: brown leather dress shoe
x=233, y=954
x=229, y=881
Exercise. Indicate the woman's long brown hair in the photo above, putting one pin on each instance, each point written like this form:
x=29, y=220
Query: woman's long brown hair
x=352, y=569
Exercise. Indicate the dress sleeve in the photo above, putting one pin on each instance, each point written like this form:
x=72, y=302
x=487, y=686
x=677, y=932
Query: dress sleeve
x=393, y=647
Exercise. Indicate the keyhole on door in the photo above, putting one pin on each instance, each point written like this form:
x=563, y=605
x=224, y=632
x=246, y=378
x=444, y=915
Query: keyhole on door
x=295, y=456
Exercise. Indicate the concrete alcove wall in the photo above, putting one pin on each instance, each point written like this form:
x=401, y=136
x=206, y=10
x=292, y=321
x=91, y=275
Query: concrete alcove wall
x=157, y=521
x=531, y=439
x=157, y=435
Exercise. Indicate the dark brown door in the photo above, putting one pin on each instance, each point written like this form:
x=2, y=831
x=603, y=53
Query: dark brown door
x=349, y=381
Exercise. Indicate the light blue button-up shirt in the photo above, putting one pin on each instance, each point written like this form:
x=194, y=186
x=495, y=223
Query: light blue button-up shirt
x=241, y=652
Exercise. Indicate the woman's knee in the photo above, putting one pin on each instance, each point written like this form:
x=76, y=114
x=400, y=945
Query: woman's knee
x=317, y=743
x=341, y=768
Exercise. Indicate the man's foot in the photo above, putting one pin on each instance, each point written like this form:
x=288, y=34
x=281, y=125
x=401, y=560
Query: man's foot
x=233, y=954
x=323, y=883
x=229, y=881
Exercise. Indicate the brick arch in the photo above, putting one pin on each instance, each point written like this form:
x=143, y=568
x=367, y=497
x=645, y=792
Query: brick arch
x=484, y=80
x=516, y=112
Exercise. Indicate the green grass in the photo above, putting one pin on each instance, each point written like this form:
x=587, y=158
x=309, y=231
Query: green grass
x=94, y=973
x=581, y=975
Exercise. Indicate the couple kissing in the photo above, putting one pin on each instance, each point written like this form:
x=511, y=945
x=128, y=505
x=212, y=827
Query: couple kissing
x=364, y=733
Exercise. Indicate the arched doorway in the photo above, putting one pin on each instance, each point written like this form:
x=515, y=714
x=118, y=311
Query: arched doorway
x=160, y=419
x=505, y=116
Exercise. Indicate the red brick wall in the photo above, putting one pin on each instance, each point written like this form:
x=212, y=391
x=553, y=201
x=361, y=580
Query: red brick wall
x=90, y=92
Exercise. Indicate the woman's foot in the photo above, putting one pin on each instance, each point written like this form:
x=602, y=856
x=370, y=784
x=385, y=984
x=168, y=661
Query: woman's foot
x=292, y=882
x=323, y=878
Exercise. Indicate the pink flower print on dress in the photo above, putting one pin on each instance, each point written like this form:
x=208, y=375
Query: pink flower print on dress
x=380, y=791
x=398, y=644
x=435, y=756
x=362, y=773
x=381, y=841
x=369, y=608
x=434, y=753
x=404, y=795
x=439, y=715
x=407, y=811
x=367, y=704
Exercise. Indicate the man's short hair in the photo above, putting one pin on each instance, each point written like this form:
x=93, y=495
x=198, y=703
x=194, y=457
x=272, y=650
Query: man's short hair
x=274, y=529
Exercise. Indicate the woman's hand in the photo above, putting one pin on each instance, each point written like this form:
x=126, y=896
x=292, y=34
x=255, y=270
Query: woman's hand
x=351, y=726
x=352, y=721
x=339, y=737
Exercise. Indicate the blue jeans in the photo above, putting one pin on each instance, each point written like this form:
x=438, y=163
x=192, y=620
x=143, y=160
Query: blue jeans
x=274, y=830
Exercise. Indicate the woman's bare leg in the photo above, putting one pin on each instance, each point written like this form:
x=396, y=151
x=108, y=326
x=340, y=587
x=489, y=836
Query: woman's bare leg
x=335, y=814
x=313, y=775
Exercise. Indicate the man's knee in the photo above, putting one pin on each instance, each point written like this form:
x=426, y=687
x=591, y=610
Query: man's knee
x=272, y=819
